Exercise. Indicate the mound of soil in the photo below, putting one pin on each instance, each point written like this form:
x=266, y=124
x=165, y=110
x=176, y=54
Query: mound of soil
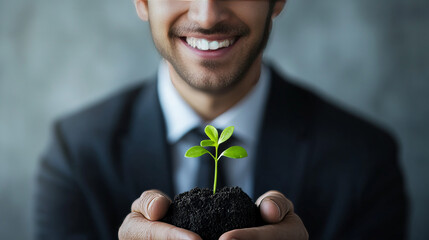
x=211, y=215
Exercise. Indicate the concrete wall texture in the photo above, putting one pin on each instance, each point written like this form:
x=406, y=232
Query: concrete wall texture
x=57, y=56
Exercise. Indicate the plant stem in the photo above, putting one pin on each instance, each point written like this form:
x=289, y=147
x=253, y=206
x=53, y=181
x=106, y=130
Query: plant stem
x=215, y=177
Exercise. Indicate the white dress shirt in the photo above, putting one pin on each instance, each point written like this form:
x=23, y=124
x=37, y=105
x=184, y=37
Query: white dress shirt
x=246, y=117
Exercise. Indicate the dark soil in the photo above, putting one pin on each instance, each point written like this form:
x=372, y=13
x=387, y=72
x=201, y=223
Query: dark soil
x=211, y=215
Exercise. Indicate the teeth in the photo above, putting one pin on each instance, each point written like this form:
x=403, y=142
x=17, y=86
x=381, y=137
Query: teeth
x=203, y=44
x=214, y=45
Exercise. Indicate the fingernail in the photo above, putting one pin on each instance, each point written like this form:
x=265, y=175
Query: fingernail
x=279, y=214
x=150, y=206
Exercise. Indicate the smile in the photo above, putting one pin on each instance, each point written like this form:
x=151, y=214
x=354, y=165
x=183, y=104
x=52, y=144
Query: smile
x=206, y=45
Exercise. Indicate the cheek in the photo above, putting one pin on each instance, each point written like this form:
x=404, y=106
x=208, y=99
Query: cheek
x=162, y=16
x=164, y=13
x=252, y=13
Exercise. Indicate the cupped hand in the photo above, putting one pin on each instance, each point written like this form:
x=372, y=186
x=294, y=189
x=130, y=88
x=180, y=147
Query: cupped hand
x=142, y=222
x=282, y=222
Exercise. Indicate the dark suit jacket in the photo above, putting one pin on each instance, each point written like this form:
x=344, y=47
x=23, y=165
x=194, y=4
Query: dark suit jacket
x=341, y=172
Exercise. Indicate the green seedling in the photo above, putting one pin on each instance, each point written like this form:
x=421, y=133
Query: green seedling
x=215, y=141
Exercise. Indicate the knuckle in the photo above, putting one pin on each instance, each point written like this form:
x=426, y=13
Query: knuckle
x=286, y=206
x=289, y=205
x=300, y=227
x=149, y=192
x=306, y=236
x=275, y=192
x=284, y=203
x=278, y=195
x=141, y=204
x=123, y=231
x=272, y=194
x=134, y=216
x=138, y=207
x=303, y=234
x=134, y=206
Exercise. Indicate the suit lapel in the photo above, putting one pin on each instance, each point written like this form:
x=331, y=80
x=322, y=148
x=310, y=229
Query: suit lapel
x=146, y=152
x=283, y=144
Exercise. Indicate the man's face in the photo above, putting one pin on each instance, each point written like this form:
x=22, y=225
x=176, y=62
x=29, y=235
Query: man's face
x=211, y=44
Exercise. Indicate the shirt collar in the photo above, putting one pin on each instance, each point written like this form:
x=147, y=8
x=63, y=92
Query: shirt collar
x=245, y=116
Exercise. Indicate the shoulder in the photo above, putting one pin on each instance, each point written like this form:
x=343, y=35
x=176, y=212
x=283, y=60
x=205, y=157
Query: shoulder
x=350, y=163
x=104, y=119
x=335, y=129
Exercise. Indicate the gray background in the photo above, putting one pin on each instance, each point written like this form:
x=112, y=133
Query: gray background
x=57, y=56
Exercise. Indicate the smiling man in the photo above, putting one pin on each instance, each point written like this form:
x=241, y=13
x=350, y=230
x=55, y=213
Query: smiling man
x=213, y=49
x=340, y=173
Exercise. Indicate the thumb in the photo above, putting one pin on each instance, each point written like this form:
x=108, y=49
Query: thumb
x=153, y=204
x=274, y=206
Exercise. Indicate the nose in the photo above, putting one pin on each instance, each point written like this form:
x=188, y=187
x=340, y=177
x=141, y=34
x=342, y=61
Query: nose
x=207, y=13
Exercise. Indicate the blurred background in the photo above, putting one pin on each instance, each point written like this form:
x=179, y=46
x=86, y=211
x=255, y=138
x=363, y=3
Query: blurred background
x=58, y=56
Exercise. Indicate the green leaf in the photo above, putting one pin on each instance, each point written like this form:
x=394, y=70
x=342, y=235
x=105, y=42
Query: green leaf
x=226, y=134
x=195, y=151
x=207, y=143
x=211, y=133
x=234, y=152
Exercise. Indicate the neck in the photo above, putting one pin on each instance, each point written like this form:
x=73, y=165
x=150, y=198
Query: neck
x=210, y=105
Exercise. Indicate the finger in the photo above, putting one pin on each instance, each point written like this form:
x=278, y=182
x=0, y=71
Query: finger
x=153, y=204
x=291, y=227
x=274, y=206
x=136, y=226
